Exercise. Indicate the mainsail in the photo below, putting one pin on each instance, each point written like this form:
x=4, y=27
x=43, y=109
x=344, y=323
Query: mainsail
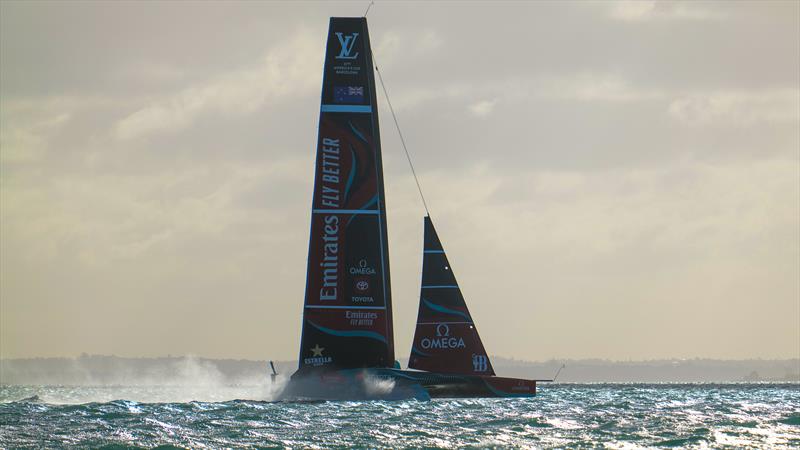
x=446, y=339
x=347, y=316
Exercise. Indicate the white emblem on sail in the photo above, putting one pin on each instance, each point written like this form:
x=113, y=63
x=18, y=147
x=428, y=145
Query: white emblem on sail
x=347, y=43
x=480, y=363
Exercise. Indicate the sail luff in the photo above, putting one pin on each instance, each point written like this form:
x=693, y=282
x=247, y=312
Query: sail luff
x=384, y=233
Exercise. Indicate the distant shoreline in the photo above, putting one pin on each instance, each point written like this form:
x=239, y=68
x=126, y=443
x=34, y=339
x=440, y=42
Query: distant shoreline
x=181, y=370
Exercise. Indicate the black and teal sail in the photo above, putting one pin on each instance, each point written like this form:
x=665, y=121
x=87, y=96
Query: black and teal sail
x=347, y=314
x=446, y=339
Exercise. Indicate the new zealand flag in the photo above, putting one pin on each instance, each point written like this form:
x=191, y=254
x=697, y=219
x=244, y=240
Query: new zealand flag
x=348, y=94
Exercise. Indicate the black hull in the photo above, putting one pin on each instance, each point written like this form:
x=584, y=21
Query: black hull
x=441, y=385
x=365, y=384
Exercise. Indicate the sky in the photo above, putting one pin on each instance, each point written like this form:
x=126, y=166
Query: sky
x=613, y=180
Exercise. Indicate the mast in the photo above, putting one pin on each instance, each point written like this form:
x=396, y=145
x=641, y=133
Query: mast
x=347, y=314
x=446, y=339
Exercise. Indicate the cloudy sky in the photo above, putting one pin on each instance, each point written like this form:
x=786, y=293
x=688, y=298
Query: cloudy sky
x=611, y=179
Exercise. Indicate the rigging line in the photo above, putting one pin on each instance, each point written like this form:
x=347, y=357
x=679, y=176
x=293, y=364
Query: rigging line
x=368, y=7
x=559, y=371
x=400, y=133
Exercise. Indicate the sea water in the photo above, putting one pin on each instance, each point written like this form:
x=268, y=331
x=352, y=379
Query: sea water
x=562, y=415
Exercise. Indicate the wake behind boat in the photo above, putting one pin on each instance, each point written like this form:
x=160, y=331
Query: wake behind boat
x=347, y=344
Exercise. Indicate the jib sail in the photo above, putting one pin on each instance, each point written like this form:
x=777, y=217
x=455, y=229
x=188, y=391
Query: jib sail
x=347, y=317
x=446, y=339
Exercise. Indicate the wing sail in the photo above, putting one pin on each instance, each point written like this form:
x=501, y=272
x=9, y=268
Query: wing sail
x=347, y=316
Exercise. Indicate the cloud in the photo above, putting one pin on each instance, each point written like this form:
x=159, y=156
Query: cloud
x=24, y=135
x=685, y=236
x=679, y=207
x=482, y=108
x=396, y=46
x=594, y=86
x=416, y=97
x=581, y=86
x=110, y=218
x=739, y=108
x=290, y=68
x=643, y=10
x=148, y=73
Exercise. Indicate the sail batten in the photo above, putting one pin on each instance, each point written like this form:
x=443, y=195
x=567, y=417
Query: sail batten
x=347, y=314
x=346, y=108
x=343, y=307
x=347, y=211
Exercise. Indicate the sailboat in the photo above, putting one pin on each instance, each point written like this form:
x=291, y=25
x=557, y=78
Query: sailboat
x=347, y=346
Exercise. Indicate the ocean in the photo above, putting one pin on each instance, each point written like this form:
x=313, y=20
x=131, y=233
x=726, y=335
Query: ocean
x=562, y=415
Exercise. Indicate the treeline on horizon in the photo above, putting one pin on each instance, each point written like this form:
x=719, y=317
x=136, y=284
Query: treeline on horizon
x=182, y=370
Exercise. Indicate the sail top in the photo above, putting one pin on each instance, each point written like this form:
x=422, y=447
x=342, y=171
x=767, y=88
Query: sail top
x=446, y=339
